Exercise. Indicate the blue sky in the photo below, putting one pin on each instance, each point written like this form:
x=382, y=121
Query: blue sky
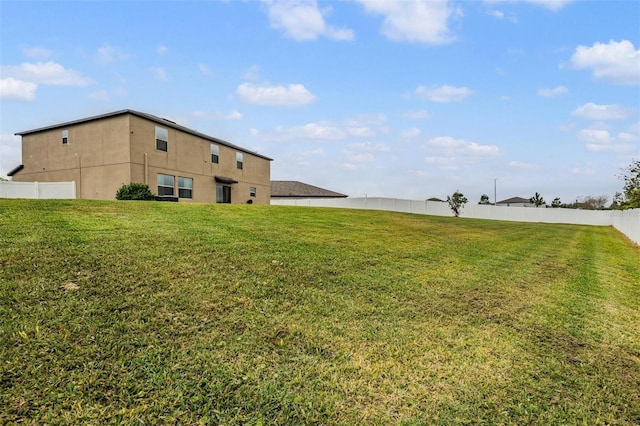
x=409, y=99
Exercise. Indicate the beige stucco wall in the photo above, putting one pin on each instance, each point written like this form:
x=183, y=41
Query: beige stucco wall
x=190, y=156
x=96, y=157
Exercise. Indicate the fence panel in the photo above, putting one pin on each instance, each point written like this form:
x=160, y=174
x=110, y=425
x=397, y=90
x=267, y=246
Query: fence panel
x=38, y=190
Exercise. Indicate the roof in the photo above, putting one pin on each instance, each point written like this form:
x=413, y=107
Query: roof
x=295, y=189
x=435, y=199
x=515, y=200
x=150, y=117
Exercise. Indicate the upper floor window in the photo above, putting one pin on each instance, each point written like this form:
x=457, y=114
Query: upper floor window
x=215, y=154
x=65, y=137
x=185, y=187
x=165, y=184
x=239, y=160
x=162, y=139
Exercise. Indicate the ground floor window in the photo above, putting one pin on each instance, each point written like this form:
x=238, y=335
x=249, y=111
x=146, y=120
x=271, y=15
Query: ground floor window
x=223, y=194
x=165, y=184
x=252, y=191
x=185, y=187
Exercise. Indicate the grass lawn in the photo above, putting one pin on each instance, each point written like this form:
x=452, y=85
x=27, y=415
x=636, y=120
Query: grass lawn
x=147, y=313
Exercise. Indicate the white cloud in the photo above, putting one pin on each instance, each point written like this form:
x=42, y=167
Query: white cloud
x=521, y=165
x=452, y=146
x=370, y=146
x=100, y=95
x=411, y=133
x=359, y=157
x=45, y=73
x=548, y=4
x=37, y=52
x=302, y=20
x=416, y=115
x=360, y=132
x=594, y=112
x=160, y=73
x=162, y=49
x=291, y=95
x=252, y=73
x=108, y=54
x=615, y=62
x=204, y=69
x=10, y=152
x=599, y=140
x=443, y=93
x=233, y=115
x=421, y=21
x=12, y=89
x=551, y=93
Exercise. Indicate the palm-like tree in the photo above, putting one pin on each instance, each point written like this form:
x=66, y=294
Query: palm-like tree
x=537, y=200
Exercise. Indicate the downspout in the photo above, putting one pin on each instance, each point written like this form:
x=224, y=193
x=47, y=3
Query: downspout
x=146, y=169
x=79, y=194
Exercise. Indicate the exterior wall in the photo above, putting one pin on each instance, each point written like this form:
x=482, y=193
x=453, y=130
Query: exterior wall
x=103, y=154
x=190, y=156
x=96, y=157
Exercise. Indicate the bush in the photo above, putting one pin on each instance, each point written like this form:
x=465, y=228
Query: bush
x=134, y=191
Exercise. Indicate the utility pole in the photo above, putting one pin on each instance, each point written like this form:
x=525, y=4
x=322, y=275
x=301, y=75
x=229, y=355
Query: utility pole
x=495, y=199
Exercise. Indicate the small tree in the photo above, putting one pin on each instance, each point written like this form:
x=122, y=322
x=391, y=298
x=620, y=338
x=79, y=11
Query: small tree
x=484, y=199
x=594, y=202
x=631, y=187
x=537, y=200
x=134, y=191
x=556, y=203
x=456, y=202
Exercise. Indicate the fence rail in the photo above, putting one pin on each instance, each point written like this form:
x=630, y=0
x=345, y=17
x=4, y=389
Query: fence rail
x=625, y=221
x=38, y=190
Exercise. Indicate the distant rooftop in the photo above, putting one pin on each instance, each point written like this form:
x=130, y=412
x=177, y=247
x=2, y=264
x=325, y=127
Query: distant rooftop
x=295, y=189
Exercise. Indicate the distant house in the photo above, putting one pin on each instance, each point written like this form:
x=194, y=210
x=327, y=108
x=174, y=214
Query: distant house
x=516, y=202
x=290, y=189
x=101, y=153
x=435, y=199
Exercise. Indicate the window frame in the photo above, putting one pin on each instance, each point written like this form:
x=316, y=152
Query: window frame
x=65, y=137
x=252, y=191
x=181, y=187
x=239, y=160
x=162, y=132
x=163, y=192
x=215, y=154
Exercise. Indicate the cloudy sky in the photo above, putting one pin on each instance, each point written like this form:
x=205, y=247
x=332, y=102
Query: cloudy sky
x=410, y=99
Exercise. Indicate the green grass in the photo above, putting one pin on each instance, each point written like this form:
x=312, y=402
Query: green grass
x=147, y=313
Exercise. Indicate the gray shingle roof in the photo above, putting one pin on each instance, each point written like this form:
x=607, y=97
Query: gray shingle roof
x=295, y=189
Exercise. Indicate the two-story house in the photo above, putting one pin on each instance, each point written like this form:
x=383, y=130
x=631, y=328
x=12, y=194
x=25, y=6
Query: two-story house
x=103, y=152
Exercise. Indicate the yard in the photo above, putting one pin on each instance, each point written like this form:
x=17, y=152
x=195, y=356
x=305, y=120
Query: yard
x=146, y=313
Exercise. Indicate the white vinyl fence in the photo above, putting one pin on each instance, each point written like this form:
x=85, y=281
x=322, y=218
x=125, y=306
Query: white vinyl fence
x=38, y=190
x=625, y=221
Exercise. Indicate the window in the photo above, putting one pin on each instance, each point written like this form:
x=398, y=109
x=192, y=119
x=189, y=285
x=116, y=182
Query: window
x=215, y=152
x=252, y=192
x=165, y=184
x=162, y=139
x=223, y=194
x=65, y=137
x=185, y=187
x=239, y=160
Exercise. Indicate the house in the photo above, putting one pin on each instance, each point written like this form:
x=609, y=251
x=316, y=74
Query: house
x=516, y=202
x=290, y=189
x=101, y=153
